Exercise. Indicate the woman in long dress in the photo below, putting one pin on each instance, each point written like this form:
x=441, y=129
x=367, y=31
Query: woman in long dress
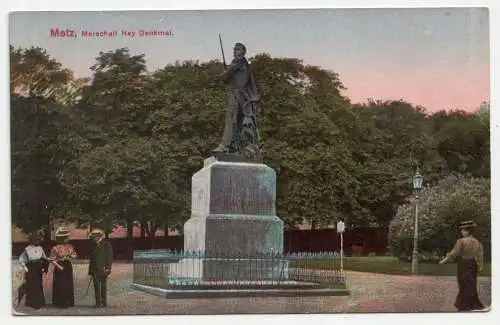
x=35, y=263
x=468, y=254
x=63, y=294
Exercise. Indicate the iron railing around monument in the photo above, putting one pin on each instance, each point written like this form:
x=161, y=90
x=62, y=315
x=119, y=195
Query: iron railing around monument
x=185, y=270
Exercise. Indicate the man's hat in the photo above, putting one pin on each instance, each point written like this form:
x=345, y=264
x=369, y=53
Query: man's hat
x=96, y=233
x=35, y=236
x=62, y=232
x=469, y=224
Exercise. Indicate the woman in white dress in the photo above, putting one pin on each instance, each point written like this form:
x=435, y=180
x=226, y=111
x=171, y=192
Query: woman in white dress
x=34, y=262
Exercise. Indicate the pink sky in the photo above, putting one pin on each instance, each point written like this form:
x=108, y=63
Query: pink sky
x=438, y=88
x=433, y=57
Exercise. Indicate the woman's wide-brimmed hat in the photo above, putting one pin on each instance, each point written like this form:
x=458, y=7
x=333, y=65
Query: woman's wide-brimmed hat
x=469, y=224
x=96, y=233
x=62, y=232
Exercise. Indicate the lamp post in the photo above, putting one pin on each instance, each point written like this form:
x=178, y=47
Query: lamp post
x=417, y=186
x=340, y=230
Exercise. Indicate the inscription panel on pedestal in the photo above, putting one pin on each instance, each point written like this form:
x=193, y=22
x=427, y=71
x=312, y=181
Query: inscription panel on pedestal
x=243, y=190
x=245, y=236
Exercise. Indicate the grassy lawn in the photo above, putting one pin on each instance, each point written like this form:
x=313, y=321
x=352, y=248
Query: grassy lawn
x=389, y=265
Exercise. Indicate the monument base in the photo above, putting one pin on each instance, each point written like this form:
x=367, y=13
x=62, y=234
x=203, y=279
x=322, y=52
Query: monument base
x=304, y=290
x=234, y=235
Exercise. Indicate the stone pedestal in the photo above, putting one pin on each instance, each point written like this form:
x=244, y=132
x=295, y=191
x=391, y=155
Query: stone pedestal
x=233, y=221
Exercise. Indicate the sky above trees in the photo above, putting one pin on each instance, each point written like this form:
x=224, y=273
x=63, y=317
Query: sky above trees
x=437, y=58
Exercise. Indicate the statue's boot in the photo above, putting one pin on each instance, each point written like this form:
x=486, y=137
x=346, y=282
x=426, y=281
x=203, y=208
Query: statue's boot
x=221, y=148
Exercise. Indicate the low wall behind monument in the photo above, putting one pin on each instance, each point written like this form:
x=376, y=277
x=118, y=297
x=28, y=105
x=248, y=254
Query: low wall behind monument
x=372, y=240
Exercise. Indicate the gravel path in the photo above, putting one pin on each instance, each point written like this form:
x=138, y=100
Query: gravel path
x=369, y=293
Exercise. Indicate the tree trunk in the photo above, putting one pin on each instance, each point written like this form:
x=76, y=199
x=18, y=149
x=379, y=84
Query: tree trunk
x=143, y=229
x=130, y=236
x=130, y=229
x=152, y=233
x=47, y=231
x=313, y=224
x=47, y=238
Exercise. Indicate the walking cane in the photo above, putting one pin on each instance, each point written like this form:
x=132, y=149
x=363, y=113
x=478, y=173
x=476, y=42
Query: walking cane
x=88, y=287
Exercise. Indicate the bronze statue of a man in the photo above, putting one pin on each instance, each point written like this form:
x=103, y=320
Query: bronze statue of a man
x=241, y=134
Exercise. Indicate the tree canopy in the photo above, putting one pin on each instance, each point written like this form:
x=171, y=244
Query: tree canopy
x=121, y=147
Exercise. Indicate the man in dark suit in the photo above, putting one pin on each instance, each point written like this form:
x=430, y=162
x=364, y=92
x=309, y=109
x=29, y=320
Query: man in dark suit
x=100, y=266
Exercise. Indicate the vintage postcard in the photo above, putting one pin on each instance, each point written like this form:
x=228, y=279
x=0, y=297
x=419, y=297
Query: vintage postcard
x=250, y=161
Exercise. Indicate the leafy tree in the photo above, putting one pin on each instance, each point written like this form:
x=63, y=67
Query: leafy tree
x=119, y=99
x=442, y=207
x=126, y=179
x=35, y=73
x=128, y=174
x=42, y=137
x=316, y=173
x=388, y=141
x=483, y=113
x=42, y=142
x=463, y=141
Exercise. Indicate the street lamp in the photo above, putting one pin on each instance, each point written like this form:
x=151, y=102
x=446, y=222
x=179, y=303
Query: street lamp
x=417, y=186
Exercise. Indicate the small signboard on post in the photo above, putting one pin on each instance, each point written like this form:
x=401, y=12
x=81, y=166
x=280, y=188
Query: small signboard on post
x=340, y=227
x=340, y=230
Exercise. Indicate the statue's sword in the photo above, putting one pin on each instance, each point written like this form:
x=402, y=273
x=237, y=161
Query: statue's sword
x=222, y=50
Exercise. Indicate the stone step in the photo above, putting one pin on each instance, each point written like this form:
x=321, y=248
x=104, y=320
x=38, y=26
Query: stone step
x=233, y=293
